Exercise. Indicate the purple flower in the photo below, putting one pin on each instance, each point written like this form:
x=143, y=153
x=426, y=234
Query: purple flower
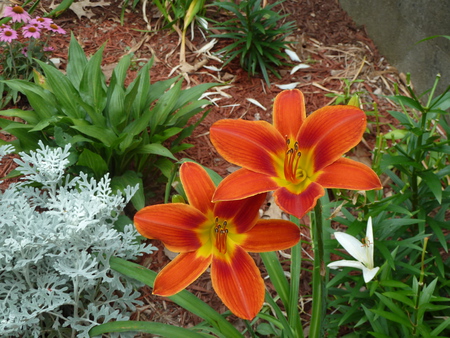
x=8, y=34
x=41, y=22
x=55, y=28
x=17, y=13
x=31, y=31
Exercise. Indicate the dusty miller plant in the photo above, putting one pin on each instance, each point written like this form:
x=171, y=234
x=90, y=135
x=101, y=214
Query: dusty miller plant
x=56, y=238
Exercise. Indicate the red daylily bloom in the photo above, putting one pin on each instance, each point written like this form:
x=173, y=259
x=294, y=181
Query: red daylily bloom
x=217, y=234
x=297, y=156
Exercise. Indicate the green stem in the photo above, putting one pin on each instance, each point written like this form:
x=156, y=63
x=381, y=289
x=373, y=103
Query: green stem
x=296, y=262
x=318, y=276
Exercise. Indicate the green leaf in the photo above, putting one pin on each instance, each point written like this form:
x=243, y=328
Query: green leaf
x=433, y=183
x=64, y=91
x=106, y=136
x=94, y=161
x=28, y=115
x=156, y=149
x=92, y=87
x=163, y=330
x=77, y=62
x=184, y=298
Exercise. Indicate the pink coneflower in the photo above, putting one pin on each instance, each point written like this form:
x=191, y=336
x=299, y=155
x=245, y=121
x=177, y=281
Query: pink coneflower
x=17, y=13
x=31, y=31
x=55, y=28
x=8, y=34
x=48, y=49
x=41, y=22
x=24, y=51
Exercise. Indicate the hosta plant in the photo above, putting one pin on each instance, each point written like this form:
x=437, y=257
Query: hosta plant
x=57, y=234
x=129, y=131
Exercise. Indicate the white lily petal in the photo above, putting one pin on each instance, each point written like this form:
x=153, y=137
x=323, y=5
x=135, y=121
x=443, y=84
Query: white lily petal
x=300, y=66
x=368, y=274
x=293, y=55
x=346, y=263
x=288, y=86
x=353, y=246
x=369, y=236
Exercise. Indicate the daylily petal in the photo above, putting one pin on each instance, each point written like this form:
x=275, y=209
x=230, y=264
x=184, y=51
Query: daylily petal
x=249, y=144
x=298, y=204
x=179, y=273
x=237, y=281
x=241, y=214
x=346, y=263
x=198, y=186
x=175, y=224
x=289, y=112
x=271, y=235
x=243, y=183
x=354, y=247
x=368, y=274
x=330, y=132
x=348, y=174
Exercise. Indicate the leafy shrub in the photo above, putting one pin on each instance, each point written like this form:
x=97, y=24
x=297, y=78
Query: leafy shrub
x=259, y=39
x=112, y=128
x=56, y=238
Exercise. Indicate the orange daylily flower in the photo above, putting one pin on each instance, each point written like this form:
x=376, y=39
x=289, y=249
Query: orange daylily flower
x=217, y=234
x=297, y=156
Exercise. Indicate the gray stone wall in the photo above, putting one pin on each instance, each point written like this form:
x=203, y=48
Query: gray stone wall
x=396, y=26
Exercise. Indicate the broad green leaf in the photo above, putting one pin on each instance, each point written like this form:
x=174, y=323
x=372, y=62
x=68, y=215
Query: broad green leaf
x=94, y=161
x=66, y=94
x=77, y=62
x=116, y=113
x=106, y=136
x=156, y=149
x=158, y=115
x=93, y=87
x=29, y=116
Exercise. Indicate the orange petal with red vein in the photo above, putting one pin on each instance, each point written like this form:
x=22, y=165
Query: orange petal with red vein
x=271, y=235
x=249, y=144
x=174, y=224
x=242, y=214
x=348, y=174
x=198, y=186
x=298, y=204
x=180, y=273
x=289, y=112
x=238, y=283
x=243, y=183
x=330, y=132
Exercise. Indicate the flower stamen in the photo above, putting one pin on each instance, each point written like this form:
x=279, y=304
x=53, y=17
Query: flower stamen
x=221, y=233
x=292, y=172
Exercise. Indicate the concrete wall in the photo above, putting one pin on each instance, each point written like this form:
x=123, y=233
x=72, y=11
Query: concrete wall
x=397, y=25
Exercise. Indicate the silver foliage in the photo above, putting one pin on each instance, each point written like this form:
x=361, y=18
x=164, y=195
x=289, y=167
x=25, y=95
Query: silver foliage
x=56, y=237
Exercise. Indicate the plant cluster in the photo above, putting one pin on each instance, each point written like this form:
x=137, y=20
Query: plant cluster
x=131, y=132
x=18, y=55
x=257, y=35
x=57, y=234
x=403, y=290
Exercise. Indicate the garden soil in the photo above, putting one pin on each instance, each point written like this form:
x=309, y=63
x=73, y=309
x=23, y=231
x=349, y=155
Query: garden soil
x=325, y=39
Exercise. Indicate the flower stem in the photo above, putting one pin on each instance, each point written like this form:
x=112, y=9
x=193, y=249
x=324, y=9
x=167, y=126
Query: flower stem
x=296, y=262
x=318, y=275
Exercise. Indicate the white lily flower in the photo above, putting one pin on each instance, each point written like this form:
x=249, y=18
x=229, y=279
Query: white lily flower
x=361, y=251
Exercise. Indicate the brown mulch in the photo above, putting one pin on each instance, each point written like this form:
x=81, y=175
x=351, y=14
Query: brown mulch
x=326, y=39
